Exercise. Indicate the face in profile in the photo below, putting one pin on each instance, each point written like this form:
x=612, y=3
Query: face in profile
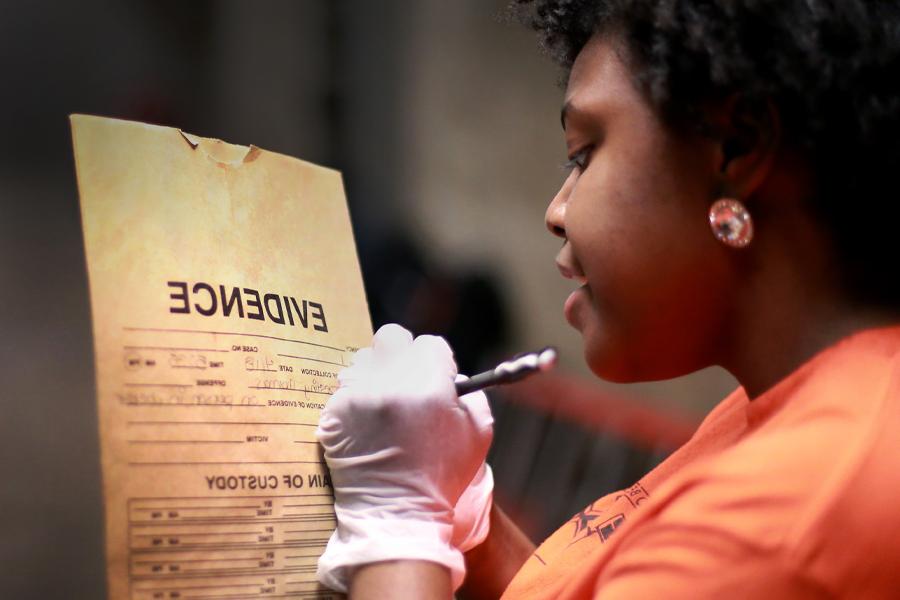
x=653, y=285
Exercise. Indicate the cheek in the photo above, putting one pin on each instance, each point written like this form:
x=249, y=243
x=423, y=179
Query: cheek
x=653, y=269
x=625, y=228
x=643, y=206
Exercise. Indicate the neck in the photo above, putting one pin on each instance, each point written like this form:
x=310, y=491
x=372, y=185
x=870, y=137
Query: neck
x=774, y=346
x=790, y=307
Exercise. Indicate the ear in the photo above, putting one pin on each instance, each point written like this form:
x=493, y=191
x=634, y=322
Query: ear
x=747, y=134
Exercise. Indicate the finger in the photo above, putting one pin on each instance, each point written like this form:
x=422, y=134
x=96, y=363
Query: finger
x=347, y=376
x=390, y=339
x=360, y=366
x=476, y=404
x=434, y=350
x=338, y=404
x=327, y=428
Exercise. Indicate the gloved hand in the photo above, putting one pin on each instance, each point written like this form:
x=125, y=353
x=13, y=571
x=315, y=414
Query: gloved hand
x=402, y=450
x=471, y=515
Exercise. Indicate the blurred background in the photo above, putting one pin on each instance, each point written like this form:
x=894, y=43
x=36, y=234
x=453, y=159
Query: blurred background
x=444, y=119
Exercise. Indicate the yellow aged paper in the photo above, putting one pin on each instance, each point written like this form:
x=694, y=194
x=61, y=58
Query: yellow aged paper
x=226, y=295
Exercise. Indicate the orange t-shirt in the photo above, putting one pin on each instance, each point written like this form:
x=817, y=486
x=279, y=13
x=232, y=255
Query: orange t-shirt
x=793, y=495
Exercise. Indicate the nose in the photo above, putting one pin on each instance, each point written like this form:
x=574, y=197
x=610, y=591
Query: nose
x=555, y=217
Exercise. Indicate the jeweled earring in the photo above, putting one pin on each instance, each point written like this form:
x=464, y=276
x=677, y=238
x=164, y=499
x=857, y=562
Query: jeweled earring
x=731, y=223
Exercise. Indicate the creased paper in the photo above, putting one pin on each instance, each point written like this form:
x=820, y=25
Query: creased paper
x=226, y=295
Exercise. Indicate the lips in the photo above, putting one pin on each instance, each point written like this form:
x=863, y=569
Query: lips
x=568, y=266
x=570, y=308
x=570, y=269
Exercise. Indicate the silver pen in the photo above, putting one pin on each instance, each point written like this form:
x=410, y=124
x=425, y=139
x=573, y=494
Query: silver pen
x=514, y=369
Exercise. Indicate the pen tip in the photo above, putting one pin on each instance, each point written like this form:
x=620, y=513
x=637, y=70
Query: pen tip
x=547, y=358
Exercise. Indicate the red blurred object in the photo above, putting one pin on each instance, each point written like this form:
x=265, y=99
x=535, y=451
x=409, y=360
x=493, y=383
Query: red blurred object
x=573, y=399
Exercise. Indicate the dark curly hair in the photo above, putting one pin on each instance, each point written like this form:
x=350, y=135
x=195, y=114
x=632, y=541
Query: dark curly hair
x=831, y=67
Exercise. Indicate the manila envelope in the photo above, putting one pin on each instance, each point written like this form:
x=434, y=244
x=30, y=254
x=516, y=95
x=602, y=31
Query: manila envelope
x=226, y=295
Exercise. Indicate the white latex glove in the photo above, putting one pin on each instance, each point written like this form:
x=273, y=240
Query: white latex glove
x=471, y=515
x=402, y=448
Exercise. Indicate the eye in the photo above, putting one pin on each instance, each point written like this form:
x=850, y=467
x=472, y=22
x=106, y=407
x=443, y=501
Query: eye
x=578, y=160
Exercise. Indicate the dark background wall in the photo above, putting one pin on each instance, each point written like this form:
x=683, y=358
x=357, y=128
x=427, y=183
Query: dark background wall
x=443, y=119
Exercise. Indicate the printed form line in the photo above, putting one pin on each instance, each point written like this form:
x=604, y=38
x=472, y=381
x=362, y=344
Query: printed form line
x=277, y=389
x=197, y=587
x=178, y=349
x=256, y=335
x=327, y=362
x=185, y=441
x=191, y=507
x=176, y=385
x=181, y=534
x=289, y=423
x=194, y=404
x=236, y=462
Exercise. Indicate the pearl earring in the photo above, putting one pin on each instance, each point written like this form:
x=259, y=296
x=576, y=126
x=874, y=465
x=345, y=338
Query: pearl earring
x=731, y=223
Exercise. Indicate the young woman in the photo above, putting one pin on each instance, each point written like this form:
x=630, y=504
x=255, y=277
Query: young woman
x=730, y=203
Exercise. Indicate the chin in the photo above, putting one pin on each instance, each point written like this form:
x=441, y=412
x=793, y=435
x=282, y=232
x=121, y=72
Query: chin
x=608, y=362
x=621, y=363
x=614, y=373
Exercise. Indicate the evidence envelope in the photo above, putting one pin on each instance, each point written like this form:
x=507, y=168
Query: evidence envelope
x=226, y=295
